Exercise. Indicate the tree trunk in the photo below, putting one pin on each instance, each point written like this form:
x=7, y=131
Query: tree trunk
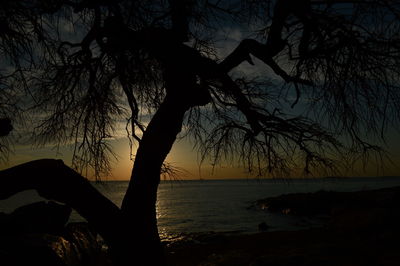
x=53, y=180
x=139, y=204
x=131, y=232
x=132, y=240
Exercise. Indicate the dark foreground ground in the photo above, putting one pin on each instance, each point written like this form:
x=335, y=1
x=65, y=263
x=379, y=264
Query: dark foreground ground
x=307, y=247
x=360, y=228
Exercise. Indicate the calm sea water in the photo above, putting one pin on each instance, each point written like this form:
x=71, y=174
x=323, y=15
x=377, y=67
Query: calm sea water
x=220, y=205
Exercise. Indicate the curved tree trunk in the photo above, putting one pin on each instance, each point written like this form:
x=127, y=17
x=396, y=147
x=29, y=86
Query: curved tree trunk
x=139, y=204
x=131, y=232
x=132, y=240
x=53, y=180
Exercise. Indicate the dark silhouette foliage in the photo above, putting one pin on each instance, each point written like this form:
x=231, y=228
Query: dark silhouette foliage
x=335, y=61
x=327, y=92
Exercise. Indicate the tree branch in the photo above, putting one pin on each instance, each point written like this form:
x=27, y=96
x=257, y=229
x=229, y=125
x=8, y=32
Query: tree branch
x=180, y=11
x=261, y=51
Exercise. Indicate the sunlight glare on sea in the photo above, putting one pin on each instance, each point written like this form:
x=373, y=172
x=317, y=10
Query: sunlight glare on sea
x=219, y=205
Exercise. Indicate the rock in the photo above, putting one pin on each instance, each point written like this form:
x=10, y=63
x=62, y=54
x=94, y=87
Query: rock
x=37, y=234
x=40, y=217
x=78, y=246
x=32, y=233
x=322, y=203
x=305, y=204
x=263, y=226
x=85, y=242
x=38, y=249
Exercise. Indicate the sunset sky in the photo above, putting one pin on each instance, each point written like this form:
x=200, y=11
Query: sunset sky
x=183, y=156
x=146, y=130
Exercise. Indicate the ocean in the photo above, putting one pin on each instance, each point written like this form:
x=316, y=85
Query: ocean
x=221, y=205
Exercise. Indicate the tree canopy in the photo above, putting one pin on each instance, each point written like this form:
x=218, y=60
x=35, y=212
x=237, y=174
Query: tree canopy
x=328, y=85
x=307, y=85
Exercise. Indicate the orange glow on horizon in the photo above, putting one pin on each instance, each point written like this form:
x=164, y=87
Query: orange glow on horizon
x=184, y=158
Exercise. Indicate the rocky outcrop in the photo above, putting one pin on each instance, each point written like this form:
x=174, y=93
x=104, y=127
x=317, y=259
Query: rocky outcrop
x=370, y=211
x=39, y=217
x=325, y=202
x=362, y=229
x=38, y=234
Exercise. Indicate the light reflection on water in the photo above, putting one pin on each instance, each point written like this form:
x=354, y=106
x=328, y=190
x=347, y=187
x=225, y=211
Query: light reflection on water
x=223, y=205
x=220, y=205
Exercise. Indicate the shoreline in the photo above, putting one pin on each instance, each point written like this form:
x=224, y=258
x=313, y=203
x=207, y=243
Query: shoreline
x=312, y=247
x=362, y=229
x=267, y=179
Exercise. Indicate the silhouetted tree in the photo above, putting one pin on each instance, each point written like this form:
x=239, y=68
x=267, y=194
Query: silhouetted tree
x=330, y=87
